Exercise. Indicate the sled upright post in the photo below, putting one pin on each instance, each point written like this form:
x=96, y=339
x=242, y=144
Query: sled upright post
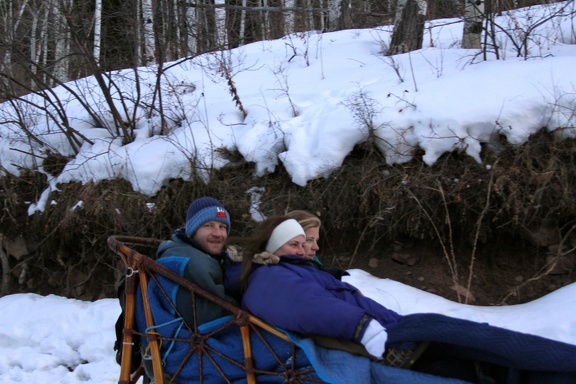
x=127, y=341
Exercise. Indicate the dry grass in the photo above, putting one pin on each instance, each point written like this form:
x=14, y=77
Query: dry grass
x=364, y=206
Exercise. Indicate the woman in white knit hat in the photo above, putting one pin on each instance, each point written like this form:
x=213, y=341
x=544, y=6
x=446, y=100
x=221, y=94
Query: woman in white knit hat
x=299, y=296
x=311, y=225
x=296, y=294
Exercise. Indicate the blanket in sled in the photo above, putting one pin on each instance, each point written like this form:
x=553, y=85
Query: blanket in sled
x=523, y=358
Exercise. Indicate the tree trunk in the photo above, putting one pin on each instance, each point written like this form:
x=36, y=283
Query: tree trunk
x=137, y=16
x=473, y=18
x=8, y=35
x=192, y=29
x=408, y=27
x=34, y=51
x=148, y=31
x=176, y=51
x=289, y=16
x=5, y=269
x=62, y=38
x=309, y=21
x=242, y=32
x=266, y=33
x=43, y=42
x=334, y=15
x=97, y=30
x=220, y=23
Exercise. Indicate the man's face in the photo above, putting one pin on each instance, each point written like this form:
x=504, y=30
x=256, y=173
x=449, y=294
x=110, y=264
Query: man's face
x=211, y=236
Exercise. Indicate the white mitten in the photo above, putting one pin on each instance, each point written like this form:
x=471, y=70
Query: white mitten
x=374, y=339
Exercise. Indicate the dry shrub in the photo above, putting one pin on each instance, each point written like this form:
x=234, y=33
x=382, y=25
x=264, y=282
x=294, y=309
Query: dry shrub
x=527, y=185
x=365, y=205
x=16, y=193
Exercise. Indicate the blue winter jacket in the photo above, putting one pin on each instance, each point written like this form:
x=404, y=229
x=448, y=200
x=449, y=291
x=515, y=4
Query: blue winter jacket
x=202, y=269
x=298, y=296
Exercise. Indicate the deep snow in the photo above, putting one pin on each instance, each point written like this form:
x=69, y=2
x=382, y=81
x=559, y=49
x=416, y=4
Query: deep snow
x=303, y=111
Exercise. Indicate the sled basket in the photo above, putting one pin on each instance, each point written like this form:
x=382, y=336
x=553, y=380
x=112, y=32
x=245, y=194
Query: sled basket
x=254, y=336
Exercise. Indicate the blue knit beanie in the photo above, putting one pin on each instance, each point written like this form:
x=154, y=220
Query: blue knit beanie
x=205, y=209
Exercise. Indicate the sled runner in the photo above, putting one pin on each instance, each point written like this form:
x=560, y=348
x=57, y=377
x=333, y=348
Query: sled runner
x=239, y=348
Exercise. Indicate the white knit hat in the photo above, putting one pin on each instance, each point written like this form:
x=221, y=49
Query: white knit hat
x=283, y=233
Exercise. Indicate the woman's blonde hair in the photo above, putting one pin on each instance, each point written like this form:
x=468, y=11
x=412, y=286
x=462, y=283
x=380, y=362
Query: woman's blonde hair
x=305, y=219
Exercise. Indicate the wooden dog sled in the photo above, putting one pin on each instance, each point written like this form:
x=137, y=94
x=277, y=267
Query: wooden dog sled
x=141, y=271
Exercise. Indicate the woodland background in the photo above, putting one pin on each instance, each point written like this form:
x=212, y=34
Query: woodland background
x=528, y=204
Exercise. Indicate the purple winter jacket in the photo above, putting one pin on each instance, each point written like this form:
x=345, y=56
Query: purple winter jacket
x=298, y=296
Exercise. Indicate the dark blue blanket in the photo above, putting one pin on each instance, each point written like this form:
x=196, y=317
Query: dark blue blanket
x=480, y=341
x=526, y=358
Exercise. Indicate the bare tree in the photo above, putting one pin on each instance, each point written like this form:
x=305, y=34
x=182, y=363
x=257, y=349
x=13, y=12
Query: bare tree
x=192, y=28
x=175, y=21
x=10, y=17
x=97, y=30
x=473, y=19
x=265, y=22
x=309, y=21
x=62, y=39
x=408, y=27
x=39, y=40
x=148, y=32
x=242, y=29
x=138, y=34
x=334, y=14
x=220, y=24
x=289, y=21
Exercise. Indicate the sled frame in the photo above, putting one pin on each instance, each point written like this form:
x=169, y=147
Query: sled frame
x=140, y=269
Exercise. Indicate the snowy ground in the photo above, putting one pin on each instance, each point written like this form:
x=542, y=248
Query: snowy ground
x=310, y=98
x=53, y=339
x=302, y=111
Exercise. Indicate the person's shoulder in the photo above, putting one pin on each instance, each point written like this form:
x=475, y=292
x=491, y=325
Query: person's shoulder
x=177, y=246
x=166, y=247
x=175, y=238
